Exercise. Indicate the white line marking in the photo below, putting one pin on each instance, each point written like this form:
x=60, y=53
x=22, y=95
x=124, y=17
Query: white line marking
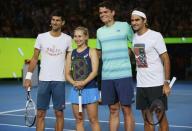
x=180, y=94
x=20, y=52
x=11, y=111
x=101, y=121
x=14, y=74
x=31, y=127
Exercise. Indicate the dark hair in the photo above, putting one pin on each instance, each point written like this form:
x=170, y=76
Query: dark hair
x=58, y=13
x=107, y=4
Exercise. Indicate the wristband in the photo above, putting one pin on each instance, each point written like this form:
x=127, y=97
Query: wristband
x=28, y=75
x=168, y=81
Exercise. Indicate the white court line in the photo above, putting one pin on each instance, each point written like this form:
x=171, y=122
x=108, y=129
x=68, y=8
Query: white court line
x=181, y=94
x=101, y=121
x=31, y=127
x=11, y=111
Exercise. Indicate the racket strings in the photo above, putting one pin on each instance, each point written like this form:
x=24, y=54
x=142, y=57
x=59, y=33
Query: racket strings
x=79, y=68
x=30, y=114
x=156, y=112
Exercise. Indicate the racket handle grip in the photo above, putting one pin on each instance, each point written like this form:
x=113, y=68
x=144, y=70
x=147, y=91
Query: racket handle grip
x=80, y=103
x=29, y=89
x=172, y=82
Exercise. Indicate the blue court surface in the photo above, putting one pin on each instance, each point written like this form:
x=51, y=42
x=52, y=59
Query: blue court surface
x=12, y=106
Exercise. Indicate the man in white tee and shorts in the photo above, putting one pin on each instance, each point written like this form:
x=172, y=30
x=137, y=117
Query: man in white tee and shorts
x=53, y=46
x=153, y=68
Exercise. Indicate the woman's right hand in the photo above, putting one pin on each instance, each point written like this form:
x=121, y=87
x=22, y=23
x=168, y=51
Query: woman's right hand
x=79, y=84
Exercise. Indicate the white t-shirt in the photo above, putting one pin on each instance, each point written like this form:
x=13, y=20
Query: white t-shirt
x=53, y=52
x=147, y=49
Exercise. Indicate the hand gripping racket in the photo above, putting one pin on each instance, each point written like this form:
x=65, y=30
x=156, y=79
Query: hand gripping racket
x=30, y=110
x=157, y=106
x=79, y=72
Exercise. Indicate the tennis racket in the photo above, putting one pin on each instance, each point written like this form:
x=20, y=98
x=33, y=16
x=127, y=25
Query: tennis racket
x=30, y=110
x=157, y=107
x=79, y=72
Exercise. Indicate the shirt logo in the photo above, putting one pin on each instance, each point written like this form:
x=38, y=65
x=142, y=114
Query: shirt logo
x=118, y=30
x=53, y=51
x=140, y=56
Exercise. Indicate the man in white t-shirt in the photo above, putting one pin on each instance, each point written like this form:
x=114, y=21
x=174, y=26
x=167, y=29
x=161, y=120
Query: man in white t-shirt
x=53, y=46
x=153, y=68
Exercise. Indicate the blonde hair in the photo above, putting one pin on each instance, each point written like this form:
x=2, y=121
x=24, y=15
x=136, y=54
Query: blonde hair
x=84, y=30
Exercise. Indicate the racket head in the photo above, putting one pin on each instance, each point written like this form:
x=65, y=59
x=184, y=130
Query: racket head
x=157, y=112
x=30, y=111
x=79, y=68
x=157, y=106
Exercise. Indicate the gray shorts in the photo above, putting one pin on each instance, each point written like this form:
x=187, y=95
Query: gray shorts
x=48, y=90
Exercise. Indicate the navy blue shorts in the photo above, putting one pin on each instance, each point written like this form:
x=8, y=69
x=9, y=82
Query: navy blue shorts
x=48, y=89
x=146, y=95
x=117, y=90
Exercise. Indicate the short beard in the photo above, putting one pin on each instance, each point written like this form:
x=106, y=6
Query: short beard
x=56, y=30
x=135, y=30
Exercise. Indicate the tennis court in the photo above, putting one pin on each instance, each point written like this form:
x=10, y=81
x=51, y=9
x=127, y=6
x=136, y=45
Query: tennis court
x=12, y=103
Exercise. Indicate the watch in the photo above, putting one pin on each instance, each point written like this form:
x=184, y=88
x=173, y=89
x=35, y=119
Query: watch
x=168, y=81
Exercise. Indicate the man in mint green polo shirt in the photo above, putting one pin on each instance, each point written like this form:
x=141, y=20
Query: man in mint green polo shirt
x=117, y=87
